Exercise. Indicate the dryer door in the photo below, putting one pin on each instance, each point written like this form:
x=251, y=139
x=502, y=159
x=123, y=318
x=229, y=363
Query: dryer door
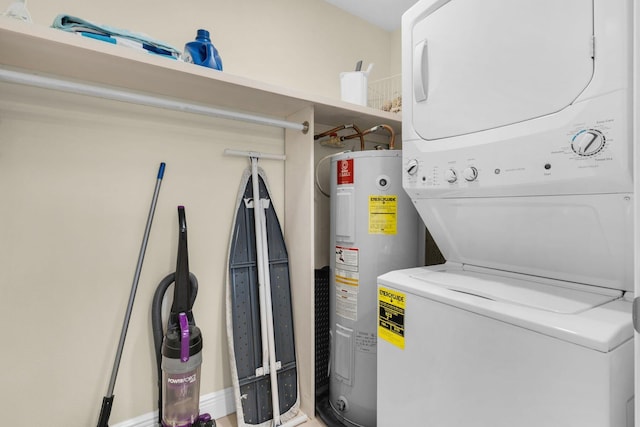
x=479, y=65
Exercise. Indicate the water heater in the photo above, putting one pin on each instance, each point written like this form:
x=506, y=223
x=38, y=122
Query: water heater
x=374, y=229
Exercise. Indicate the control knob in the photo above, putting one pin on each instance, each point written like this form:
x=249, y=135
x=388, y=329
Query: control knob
x=412, y=167
x=588, y=142
x=470, y=173
x=451, y=176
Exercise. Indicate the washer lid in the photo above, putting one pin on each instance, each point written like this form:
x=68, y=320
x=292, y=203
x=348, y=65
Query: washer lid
x=479, y=65
x=595, y=318
x=524, y=292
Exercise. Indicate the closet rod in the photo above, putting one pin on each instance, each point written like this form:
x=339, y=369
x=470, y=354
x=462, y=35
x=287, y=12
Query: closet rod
x=148, y=100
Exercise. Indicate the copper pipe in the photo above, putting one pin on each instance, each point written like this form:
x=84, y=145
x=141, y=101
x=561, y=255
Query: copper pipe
x=361, y=135
x=329, y=132
x=342, y=127
x=392, y=137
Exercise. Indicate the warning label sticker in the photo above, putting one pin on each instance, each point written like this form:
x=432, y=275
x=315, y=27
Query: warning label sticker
x=391, y=306
x=347, y=286
x=347, y=280
x=347, y=258
x=345, y=171
x=383, y=214
x=366, y=341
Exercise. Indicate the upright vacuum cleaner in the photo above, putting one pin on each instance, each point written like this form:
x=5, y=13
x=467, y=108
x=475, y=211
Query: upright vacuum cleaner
x=179, y=348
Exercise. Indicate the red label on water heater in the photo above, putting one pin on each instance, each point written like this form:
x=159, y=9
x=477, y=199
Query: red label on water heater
x=345, y=171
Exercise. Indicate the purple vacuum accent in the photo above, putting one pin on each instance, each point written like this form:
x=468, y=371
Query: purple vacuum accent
x=203, y=418
x=184, y=341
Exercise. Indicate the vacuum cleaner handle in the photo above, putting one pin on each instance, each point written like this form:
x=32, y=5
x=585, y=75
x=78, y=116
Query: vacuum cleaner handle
x=182, y=299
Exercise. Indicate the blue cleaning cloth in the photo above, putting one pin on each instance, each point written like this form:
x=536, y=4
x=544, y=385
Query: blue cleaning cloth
x=112, y=34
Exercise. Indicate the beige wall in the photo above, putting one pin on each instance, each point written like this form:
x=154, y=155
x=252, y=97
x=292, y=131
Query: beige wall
x=395, y=53
x=302, y=45
x=76, y=179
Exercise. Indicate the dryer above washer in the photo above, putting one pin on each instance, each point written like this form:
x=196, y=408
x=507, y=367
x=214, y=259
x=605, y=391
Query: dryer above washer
x=517, y=134
x=482, y=65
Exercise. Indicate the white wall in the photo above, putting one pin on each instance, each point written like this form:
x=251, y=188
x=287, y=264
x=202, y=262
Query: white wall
x=76, y=179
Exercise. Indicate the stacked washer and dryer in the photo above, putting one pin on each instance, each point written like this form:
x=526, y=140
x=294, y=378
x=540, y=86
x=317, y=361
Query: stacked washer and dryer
x=518, y=154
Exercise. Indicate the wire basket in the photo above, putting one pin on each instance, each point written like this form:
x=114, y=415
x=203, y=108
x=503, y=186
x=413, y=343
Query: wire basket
x=386, y=94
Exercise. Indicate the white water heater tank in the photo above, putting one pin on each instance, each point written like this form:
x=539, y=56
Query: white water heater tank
x=374, y=229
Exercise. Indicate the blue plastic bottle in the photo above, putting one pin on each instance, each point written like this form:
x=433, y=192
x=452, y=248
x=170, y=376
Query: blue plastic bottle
x=202, y=52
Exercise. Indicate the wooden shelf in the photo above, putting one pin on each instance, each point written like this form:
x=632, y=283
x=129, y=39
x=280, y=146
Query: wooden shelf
x=60, y=54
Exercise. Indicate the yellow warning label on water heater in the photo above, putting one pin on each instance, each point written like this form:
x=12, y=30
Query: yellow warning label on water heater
x=391, y=305
x=383, y=214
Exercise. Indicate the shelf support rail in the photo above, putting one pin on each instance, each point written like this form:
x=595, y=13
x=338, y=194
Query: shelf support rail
x=141, y=99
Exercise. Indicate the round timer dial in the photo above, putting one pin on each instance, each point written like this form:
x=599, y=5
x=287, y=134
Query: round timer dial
x=588, y=142
x=412, y=167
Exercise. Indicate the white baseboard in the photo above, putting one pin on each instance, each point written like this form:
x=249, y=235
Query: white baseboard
x=218, y=404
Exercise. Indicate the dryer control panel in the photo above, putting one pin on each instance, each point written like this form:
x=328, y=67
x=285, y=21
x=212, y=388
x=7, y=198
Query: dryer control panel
x=587, y=156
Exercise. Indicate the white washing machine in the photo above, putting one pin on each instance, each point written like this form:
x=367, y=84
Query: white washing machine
x=517, y=153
